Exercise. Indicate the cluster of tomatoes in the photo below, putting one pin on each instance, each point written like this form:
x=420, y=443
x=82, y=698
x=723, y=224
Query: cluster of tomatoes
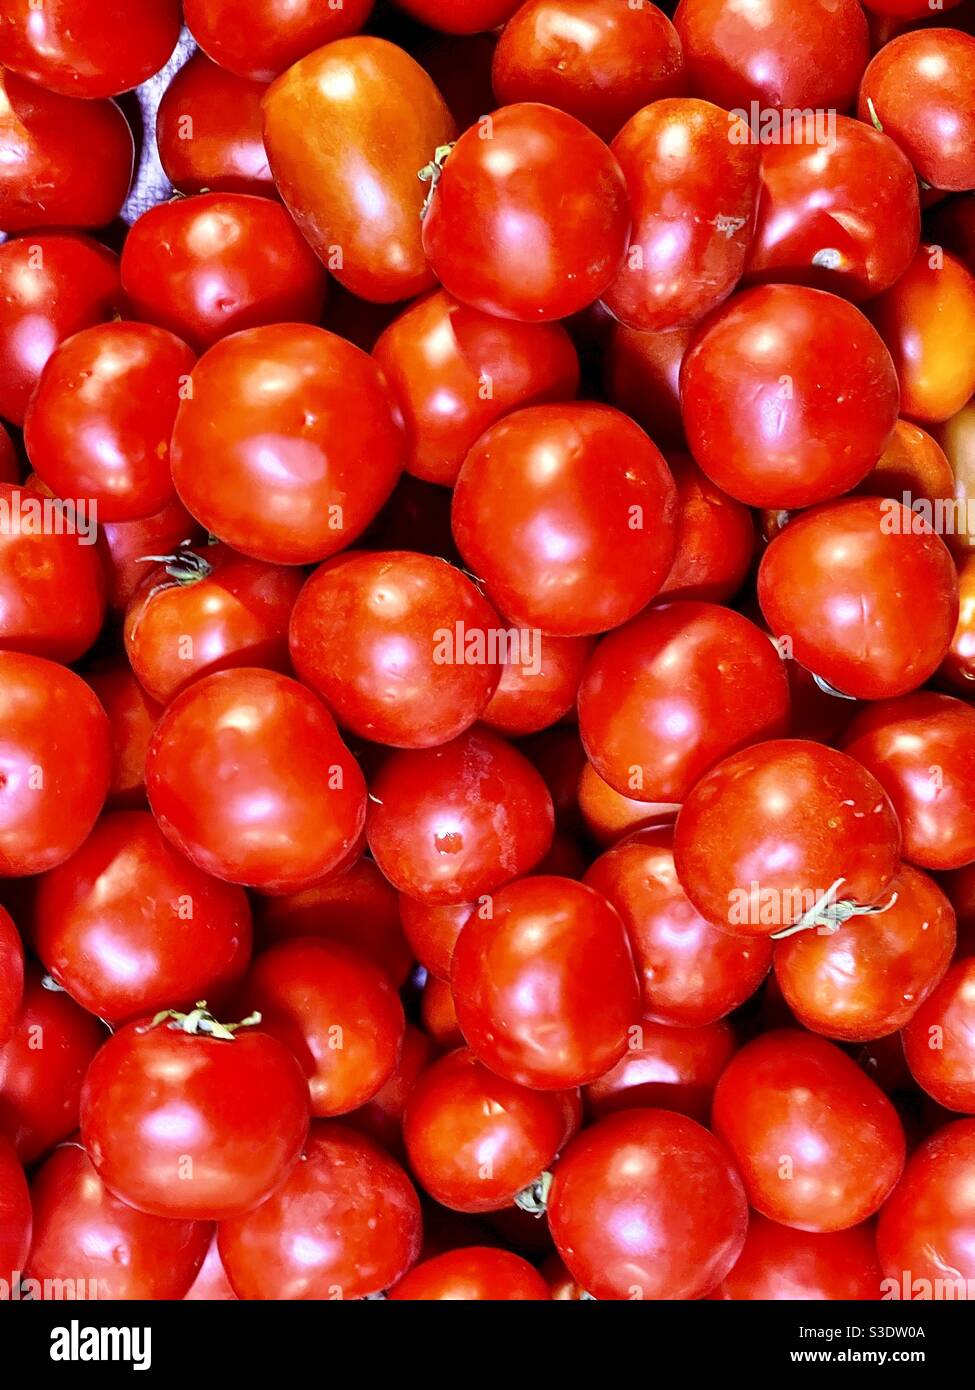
x=487, y=641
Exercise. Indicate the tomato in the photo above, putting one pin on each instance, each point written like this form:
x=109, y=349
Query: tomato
x=568, y=514
x=646, y=1205
x=691, y=974
x=642, y=377
x=268, y=447
x=345, y=1223
x=939, y=1041
x=926, y=1234
x=608, y=816
x=843, y=216
x=402, y=647
x=210, y=133
x=432, y=930
x=694, y=194
x=528, y=215
x=789, y=396
x=957, y=438
x=248, y=777
x=381, y=1118
x=538, y=687
x=15, y=1215
x=11, y=975
x=269, y=35
x=336, y=1011
x=672, y=1068
x=780, y=1264
x=63, y=162
x=455, y=371
x=958, y=667
x=908, y=9
x=9, y=460
x=94, y=49
x=472, y=1273
x=460, y=16
x=211, y=1284
x=715, y=538
x=438, y=1015
x=99, y=424
x=652, y=717
x=449, y=824
x=346, y=130
x=185, y=1118
x=132, y=716
x=128, y=926
x=544, y=984
x=913, y=463
x=598, y=60
x=124, y=546
x=51, y=285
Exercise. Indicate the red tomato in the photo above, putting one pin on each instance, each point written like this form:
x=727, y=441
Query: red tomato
x=673, y=1068
x=247, y=775
x=528, y=217
x=819, y=1146
x=958, y=667
x=568, y=514
x=268, y=446
x=381, y=1118
x=608, y=816
x=123, y=546
x=210, y=133
x=9, y=460
x=11, y=975
x=926, y=1234
x=715, y=538
x=15, y=1216
x=539, y=685
x=438, y=1015
x=211, y=1284
x=449, y=824
x=779, y=1264
x=544, y=986
x=846, y=584
x=472, y=1273
x=642, y=377
x=939, y=1041
x=269, y=35
x=344, y=1224
x=912, y=463
x=789, y=396
x=185, y=1118
x=90, y=49
x=432, y=930
x=132, y=716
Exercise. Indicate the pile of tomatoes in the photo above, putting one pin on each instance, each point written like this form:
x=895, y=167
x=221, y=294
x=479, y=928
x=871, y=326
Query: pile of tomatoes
x=487, y=649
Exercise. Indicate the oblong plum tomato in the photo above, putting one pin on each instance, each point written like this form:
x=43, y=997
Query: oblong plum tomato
x=691, y=974
x=63, y=162
x=598, y=60
x=52, y=284
x=672, y=1068
x=780, y=53
x=539, y=683
x=789, y=396
x=568, y=514
x=647, y=1205
x=868, y=978
x=474, y=1139
x=210, y=265
x=346, y=130
x=819, y=1146
x=694, y=193
x=336, y=1010
x=123, y=546
x=88, y=50
x=780, y=829
x=99, y=424
x=641, y=376
x=529, y=215
x=921, y=749
x=920, y=90
x=939, y=1041
x=345, y=1186
x=926, y=1232
x=50, y=795
x=472, y=1272
x=205, y=611
x=15, y=1214
x=89, y=1238
x=210, y=132
x=715, y=538
x=402, y=647
x=544, y=986
x=927, y=320
x=449, y=824
x=842, y=216
x=835, y=583
x=779, y=1263
x=432, y=930
x=653, y=718
x=11, y=975
x=186, y=1118
x=248, y=777
x=269, y=444
x=958, y=668
x=455, y=371
x=269, y=35
x=381, y=1118
x=128, y=926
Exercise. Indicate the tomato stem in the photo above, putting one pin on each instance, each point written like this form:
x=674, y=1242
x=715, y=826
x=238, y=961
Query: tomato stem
x=828, y=689
x=534, y=1198
x=200, y=1022
x=431, y=174
x=827, y=916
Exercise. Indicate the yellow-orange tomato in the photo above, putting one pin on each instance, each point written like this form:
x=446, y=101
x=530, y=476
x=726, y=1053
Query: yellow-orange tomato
x=913, y=463
x=957, y=437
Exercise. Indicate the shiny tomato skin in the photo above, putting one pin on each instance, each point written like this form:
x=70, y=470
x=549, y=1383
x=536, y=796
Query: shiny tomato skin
x=530, y=222
x=834, y=582
x=11, y=975
x=671, y=1069
x=781, y=1264
x=248, y=777
x=210, y=133
x=538, y=688
x=715, y=538
x=568, y=514
x=455, y=371
x=88, y=50
x=211, y=1284
x=472, y=1273
x=438, y=1015
x=123, y=544
x=346, y=1186
x=807, y=361
x=939, y=1041
x=912, y=462
x=346, y=130
x=132, y=716
x=381, y=1118
x=819, y=1146
x=432, y=930
x=15, y=1214
x=694, y=195
x=926, y=1233
x=267, y=36
x=544, y=987
x=609, y=816
x=958, y=668
x=646, y=1204
x=267, y=451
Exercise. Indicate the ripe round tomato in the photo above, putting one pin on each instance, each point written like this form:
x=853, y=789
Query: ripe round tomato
x=472, y=1273
x=438, y=1015
x=926, y=1233
x=819, y=1146
x=544, y=984
x=432, y=930
x=210, y=133
x=715, y=538
x=673, y=1069
x=15, y=1214
x=267, y=36
x=381, y=1118
x=779, y=1264
x=568, y=514
x=539, y=686
x=913, y=462
x=132, y=716
x=528, y=216
x=268, y=446
x=789, y=396
x=94, y=49
x=247, y=775
x=608, y=816
x=345, y=1223
x=185, y=1118
x=958, y=667
x=939, y=1041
